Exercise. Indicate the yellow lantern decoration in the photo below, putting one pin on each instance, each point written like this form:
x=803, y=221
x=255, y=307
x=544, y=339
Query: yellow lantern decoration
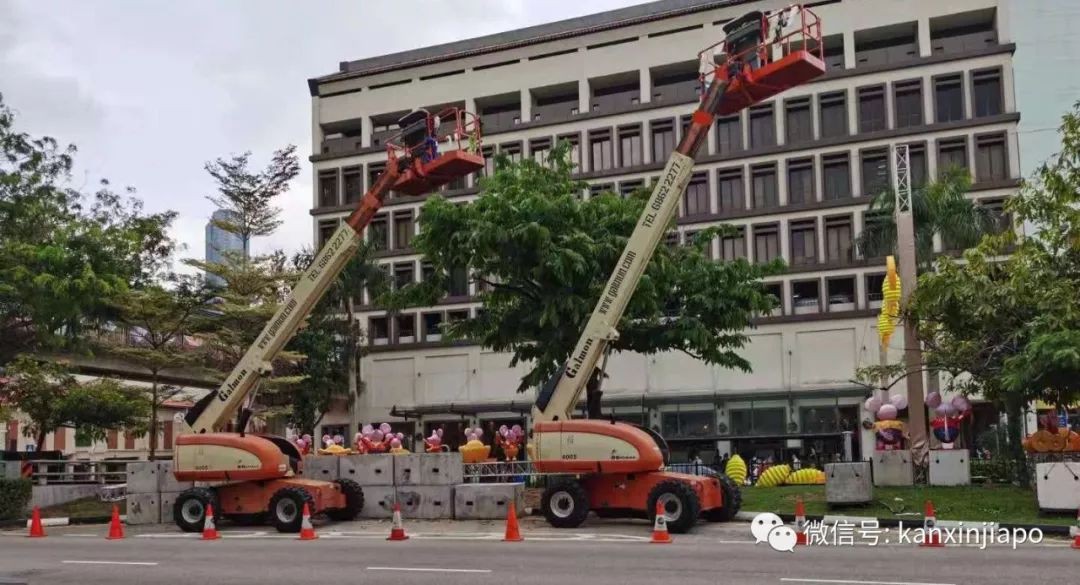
x=890, y=306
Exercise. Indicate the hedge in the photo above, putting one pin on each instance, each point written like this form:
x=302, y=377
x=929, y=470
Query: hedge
x=14, y=498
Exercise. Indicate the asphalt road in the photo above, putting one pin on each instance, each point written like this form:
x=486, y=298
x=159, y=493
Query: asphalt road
x=445, y=553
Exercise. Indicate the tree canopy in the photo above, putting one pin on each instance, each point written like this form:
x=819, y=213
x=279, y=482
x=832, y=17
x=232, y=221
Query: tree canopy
x=249, y=195
x=541, y=254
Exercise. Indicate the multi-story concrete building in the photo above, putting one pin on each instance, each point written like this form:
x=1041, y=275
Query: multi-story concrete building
x=794, y=175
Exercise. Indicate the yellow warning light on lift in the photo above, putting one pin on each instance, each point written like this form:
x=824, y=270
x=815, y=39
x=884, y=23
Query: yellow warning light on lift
x=890, y=306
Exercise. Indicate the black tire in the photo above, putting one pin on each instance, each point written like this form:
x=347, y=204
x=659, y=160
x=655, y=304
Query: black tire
x=682, y=506
x=354, y=501
x=565, y=504
x=287, y=506
x=189, y=509
x=732, y=501
x=257, y=519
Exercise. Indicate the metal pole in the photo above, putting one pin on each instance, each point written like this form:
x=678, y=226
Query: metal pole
x=847, y=445
x=905, y=244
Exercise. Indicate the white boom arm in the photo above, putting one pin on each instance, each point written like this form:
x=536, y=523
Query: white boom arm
x=559, y=396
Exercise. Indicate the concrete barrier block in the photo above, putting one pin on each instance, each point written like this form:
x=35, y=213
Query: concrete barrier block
x=322, y=467
x=368, y=470
x=848, y=483
x=950, y=467
x=168, y=499
x=143, y=477
x=487, y=501
x=143, y=509
x=407, y=469
x=426, y=502
x=378, y=502
x=167, y=482
x=893, y=468
x=441, y=469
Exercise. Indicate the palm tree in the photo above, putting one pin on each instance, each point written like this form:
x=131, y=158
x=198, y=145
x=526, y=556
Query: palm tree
x=938, y=208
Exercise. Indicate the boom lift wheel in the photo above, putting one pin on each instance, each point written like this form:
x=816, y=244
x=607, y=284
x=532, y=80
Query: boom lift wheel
x=681, y=505
x=354, y=501
x=565, y=504
x=732, y=501
x=287, y=507
x=189, y=509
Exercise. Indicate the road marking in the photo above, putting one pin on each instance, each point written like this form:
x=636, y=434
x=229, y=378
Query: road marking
x=141, y=564
x=428, y=570
x=846, y=582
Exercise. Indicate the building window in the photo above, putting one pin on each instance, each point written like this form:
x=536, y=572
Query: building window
x=798, y=123
x=762, y=126
x=776, y=291
x=432, y=326
x=627, y=188
x=1002, y=220
x=952, y=153
x=729, y=184
x=872, y=108
x=874, y=295
x=326, y=229
x=696, y=196
x=663, y=138
x=917, y=165
x=379, y=330
x=733, y=247
x=836, y=172
x=328, y=188
x=834, y=118
x=841, y=294
x=630, y=146
x=986, y=92
x=875, y=172
x=729, y=138
x=597, y=189
x=689, y=240
x=403, y=229
x=764, y=186
x=684, y=122
x=600, y=150
x=991, y=162
x=875, y=220
x=539, y=149
x=406, y=328
x=908, y=103
x=766, y=243
x=488, y=152
x=354, y=184
x=512, y=151
x=404, y=274
x=574, y=140
x=804, y=242
x=759, y=421
x=458, y=285
x=949, y=98
x=806, y=297
x=688, y=424
x=374, y=171
x=379, y=233
x=671, y=239
x=801, y=181
x=838, y=240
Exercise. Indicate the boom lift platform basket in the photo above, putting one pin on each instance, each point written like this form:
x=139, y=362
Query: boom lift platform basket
x=418, y=143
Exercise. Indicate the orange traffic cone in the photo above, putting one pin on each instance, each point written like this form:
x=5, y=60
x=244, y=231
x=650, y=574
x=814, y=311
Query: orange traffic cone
x=307, y=531
x=397, y=532
x=1075, y=530
x=930, y=530
x=209, y=531
x=116, y=529
x=800, y=522
x=36, y=530
x=512, y=532
x=659, y=532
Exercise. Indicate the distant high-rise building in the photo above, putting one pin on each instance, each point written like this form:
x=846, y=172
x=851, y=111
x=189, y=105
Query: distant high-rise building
x=219, y=242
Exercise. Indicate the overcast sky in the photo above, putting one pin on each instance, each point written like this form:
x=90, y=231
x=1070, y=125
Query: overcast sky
x=150, y=90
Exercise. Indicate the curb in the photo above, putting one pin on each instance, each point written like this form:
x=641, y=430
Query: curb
x=1059, y=530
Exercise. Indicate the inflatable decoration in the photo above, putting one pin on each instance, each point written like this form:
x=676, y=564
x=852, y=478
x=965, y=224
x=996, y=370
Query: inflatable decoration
x=474, y=451
x=808, y=476
x=890, y=433
x=1051, y=438
x=332, y=446
x=736, y=470
x=774, y=476
x=434, y=444
x=946, y=427
x=510, y=439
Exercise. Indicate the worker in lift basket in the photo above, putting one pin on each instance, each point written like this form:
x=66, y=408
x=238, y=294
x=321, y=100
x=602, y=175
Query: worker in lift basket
x=742, y=39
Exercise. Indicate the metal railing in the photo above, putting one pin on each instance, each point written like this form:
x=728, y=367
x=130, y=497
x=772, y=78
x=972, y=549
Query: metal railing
x=51, y=472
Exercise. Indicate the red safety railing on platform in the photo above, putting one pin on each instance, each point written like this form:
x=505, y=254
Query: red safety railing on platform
x=465, y=134
x=801, y=35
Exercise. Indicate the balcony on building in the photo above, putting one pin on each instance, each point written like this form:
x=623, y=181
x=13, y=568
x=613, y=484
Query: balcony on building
x=614, y=93
x=806, y=297
x=834, y=52
x=887, y=45
x=341, y=137
x=499, y=113
x=555, y=103
x=385, y=126
x=676, y=83
x=841, y=294
x=963, y=32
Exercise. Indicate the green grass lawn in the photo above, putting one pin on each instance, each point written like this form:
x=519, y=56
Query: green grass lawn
x=84, y=508
x=984, y=503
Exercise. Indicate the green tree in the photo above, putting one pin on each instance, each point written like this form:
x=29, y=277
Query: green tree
x=52, y=398
x=543, y=254
x=155, y=320
x=249, y=195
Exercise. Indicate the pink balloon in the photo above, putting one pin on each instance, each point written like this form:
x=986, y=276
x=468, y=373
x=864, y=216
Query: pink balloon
x=899, y=401
x=377, y=435
x=439, y=431
x=872, y=404
x=367, y=430
x=338, y=439
x=385, y=428
x=933, y=399
x=479, y=432
x=395, y=443
x=469, y=436
x=945, y=409
x=961, y=404
x=887, y=412
x=400, y=436
x=516, y=428
x=503, y=429
x=306, y=438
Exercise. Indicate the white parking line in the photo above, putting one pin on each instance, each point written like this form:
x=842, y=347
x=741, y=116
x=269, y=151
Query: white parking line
x=428, y=570
x=847, y=582
x=140, y=564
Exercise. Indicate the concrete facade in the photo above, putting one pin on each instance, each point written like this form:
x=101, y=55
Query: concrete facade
x=918, y=72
